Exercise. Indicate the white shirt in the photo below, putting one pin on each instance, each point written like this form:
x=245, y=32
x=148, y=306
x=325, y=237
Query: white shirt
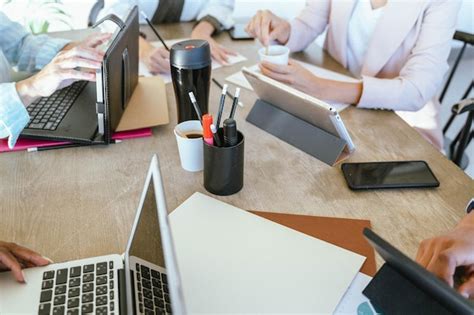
x=192, y=9
x=360, y=30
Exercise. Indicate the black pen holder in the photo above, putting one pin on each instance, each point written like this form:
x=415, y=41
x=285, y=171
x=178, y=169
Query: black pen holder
x=224, y=167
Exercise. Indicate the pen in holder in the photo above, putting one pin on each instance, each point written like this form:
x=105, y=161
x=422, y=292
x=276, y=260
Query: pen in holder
x=224, y=167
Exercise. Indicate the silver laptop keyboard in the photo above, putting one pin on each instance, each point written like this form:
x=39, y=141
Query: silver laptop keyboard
x=153, y=294
x=79, y=290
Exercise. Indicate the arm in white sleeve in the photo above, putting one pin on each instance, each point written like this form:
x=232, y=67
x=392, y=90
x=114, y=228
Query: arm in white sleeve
x=218, y=13
x=13, y=114
x=421, y=76
x=309, y=24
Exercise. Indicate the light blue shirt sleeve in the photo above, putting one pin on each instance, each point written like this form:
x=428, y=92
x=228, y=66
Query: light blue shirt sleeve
x=24, y=50
x=28, y=53
x=13, y=114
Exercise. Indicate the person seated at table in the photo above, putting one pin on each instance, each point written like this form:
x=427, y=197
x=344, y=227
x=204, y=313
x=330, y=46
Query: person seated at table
x=443, y=254
x=61, y=63
x=399, y=50
x=213, y=17
x=15, y=257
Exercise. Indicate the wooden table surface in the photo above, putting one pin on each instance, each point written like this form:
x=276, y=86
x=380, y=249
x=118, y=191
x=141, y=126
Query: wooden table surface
x=80, y=202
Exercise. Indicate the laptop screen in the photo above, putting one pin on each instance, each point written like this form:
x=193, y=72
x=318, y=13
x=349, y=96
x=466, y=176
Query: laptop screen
x=152, y=276
x=146, y=241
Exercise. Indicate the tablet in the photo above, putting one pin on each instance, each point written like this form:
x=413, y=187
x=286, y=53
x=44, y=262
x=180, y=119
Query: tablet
x=419, y=277
x=299, y=104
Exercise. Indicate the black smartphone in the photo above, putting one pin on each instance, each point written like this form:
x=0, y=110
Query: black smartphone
x=238, y=32
x=380, y=175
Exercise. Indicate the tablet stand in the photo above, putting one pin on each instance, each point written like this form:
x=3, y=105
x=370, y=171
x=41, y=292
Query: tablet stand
x=297, y=132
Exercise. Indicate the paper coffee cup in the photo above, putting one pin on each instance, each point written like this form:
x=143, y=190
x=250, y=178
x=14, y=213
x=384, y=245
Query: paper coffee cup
x=276, y=54
x=190, y=149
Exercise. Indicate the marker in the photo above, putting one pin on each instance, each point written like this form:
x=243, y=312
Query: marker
x=221, y=106
x=206, y=129
x=217, y=140
x=230, y=132
x=154, y=30
x=234, y=103
x=196, y=107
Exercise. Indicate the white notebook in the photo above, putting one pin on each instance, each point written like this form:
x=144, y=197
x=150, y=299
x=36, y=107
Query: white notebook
x=232, y=261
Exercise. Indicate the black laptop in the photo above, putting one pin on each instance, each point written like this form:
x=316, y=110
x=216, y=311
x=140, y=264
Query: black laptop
x=88, y=112
x=402, y=286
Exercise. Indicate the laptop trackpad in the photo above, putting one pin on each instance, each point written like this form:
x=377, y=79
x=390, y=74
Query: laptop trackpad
x=20, y=298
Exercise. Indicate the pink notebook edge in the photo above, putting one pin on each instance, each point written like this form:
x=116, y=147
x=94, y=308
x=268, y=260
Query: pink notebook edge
x=25, y=144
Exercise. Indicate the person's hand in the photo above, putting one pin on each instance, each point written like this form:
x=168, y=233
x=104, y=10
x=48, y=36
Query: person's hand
x=443, y=254
x=76, y=62
x=157, y=60
x=219, y=53
x=15, y=257
x=294, y=75
x=266, y=27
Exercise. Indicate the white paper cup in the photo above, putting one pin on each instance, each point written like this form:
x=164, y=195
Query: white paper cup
x=190, y=150
x=277, y=54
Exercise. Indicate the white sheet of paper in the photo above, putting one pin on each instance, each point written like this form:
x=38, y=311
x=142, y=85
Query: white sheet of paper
x=143, y=69
x=232, y=261
x=354, y=302
x=239, y=79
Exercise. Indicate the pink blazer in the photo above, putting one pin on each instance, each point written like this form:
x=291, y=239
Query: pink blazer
x=405, y=62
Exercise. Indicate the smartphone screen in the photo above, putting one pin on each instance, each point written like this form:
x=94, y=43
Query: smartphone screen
x=406, y=174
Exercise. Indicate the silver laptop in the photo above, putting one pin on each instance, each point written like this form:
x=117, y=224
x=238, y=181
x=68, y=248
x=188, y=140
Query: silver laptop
x=145, y=280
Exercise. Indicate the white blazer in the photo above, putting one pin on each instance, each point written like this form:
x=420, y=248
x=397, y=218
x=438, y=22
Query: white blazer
x=406, y=59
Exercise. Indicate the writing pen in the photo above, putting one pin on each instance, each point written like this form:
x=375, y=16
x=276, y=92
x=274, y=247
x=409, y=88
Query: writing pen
x=217, y=140
x=196, y=107
x=221, y=106
x=154, y=30
x=234, y=103
x=64, y=146
x=228, y=93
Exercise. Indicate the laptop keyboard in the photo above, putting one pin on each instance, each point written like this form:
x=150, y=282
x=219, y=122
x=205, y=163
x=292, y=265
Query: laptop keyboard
x=47, y=112
x=78, y=290
x=153, y=294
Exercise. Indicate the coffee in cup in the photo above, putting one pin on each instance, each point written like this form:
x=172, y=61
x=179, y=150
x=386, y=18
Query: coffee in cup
x=190, y=142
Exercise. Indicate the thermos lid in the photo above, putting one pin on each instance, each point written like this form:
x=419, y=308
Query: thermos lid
x=190, y=54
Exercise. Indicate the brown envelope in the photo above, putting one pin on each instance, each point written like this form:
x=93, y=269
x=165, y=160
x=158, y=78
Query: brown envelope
x=345, y=233
x=148, y=106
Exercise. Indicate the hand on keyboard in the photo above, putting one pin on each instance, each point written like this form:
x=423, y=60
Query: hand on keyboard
x=15, y=257
x=76, y=62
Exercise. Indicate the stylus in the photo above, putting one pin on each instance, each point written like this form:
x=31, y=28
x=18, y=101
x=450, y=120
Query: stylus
x=154, y=30
x=221, y=106
x=228, y=93
x=196, y=107
x=234, y=103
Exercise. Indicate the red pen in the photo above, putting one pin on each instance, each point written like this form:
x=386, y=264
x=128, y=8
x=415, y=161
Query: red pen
x=206, y=129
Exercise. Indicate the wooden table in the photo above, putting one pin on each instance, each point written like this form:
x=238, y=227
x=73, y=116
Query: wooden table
x=80, y=202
